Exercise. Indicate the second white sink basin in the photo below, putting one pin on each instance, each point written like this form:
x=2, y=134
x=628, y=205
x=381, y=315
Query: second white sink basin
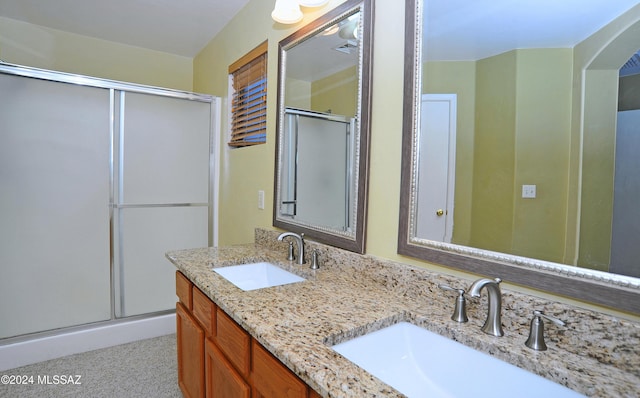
x=257, y=275
x=420, y=363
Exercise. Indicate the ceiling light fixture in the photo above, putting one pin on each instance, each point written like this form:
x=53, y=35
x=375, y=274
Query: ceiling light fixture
x=312, y=3
x=288, y=11
x=349, y=30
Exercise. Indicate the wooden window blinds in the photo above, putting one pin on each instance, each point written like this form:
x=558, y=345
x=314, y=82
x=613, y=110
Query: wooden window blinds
x=249, y=101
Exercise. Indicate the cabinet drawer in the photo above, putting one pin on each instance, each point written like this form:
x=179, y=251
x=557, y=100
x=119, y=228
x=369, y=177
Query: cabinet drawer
x=223, y=381
x=271, y=378
x=183, y=290
x=233, y=341
x=205, y=311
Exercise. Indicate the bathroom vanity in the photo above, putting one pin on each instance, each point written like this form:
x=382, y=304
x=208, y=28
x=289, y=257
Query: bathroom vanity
x=232, y=341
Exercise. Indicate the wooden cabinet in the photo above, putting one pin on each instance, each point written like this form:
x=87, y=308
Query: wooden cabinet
x=271, y=379
x=190, y=347
x=184, y=290
x=234, y=342
x=222, y=379
x=217, y=358
x=205, y=311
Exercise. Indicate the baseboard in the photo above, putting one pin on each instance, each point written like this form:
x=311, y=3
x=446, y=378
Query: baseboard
x=45, y=348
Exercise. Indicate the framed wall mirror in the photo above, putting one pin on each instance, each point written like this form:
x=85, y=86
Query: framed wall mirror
x=520, y=141
x=322, y=151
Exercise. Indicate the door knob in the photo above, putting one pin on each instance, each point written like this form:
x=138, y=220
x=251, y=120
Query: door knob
x=439, y=212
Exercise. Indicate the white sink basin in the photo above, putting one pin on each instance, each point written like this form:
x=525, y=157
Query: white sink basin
x=420, y=363
x=257, y=275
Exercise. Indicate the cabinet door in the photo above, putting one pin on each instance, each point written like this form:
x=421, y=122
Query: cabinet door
x=271, y=379
x=190, y=341
x=222, y=379
x=233, y=341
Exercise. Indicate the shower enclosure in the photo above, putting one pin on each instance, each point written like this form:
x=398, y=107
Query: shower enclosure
x=98, y=179
x=317, y=170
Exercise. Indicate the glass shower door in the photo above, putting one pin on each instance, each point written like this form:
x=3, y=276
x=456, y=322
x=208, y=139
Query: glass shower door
x=162, y=184
x=54, y=205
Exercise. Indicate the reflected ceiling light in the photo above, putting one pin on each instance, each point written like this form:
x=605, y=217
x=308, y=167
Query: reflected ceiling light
x=287, y=12
x=349, y=30
x=312, y=3
x=330, y=30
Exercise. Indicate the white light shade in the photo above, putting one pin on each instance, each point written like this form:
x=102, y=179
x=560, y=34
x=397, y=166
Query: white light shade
x=312, y=3
x=349, y=30
x=287, y=12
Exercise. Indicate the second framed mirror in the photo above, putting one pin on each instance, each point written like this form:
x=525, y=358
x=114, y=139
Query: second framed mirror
x=322, y=151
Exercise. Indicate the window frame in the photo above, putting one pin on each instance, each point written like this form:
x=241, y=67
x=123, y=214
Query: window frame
x=250, y=127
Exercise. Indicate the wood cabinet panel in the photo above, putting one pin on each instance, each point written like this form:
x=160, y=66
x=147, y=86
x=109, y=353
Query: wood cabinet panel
x=205, y=311
x=190, y=347
x=223, y=381
x=217, y=358
x=271, y=379
x=234, y=342
x=183, y=290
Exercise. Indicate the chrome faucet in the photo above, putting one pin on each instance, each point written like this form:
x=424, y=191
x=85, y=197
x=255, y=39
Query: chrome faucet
x=493, y=324
x=299, y=240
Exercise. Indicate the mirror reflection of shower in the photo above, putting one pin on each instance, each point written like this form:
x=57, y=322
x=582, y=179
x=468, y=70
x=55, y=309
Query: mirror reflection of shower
x=317, y=182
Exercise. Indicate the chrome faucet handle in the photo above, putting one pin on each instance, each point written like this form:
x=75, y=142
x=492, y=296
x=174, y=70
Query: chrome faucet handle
x=314, y=260
x=460, y=311
x=536, y=333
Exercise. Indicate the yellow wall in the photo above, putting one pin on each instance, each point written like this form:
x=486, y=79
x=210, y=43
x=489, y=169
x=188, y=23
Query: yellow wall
x=494, y=159
x=245, y=171
x=513, y=123
x=297, y=94
x=542, y=148
x=336, y=93
x=39, y=47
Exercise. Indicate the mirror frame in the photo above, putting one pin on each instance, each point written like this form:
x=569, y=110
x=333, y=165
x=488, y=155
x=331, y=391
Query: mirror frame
x=354, y=241
x=610, y=290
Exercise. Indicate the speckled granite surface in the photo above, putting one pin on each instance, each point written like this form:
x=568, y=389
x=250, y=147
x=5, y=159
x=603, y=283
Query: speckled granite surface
x=595, y=354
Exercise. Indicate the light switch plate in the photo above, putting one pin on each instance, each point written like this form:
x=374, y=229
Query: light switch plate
x=529, y=191
x=261, y=200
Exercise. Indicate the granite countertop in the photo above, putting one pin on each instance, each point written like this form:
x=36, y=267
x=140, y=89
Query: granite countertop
x=350, y=295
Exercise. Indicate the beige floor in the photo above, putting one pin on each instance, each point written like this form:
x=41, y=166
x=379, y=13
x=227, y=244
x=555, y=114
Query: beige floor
x=145, y=368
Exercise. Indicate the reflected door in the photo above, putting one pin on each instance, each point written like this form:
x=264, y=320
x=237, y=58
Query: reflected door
x=436, y=167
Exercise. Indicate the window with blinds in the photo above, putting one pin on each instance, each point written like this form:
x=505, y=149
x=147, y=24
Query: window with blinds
x=249, y=100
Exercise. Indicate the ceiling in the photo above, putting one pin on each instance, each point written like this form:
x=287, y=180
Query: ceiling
x=460, y=29
x=181, y=27
x=475, y=29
